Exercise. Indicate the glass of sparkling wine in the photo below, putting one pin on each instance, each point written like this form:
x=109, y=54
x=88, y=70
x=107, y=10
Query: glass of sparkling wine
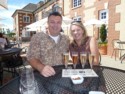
x=83, y=58
x=66, y=59
x=91, y=58
x=75, y=59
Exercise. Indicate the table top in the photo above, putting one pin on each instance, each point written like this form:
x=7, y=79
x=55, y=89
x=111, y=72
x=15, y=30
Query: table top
x=121, y=42
x=110, y=81
x=9, y=51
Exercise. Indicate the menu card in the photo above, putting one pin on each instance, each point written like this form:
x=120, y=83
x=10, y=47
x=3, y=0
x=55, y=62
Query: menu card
x=82, y=72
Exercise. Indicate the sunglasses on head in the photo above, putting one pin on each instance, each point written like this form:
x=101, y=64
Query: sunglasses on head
x=76, y=21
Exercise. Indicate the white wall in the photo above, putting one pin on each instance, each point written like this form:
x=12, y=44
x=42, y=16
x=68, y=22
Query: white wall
x=89, y=14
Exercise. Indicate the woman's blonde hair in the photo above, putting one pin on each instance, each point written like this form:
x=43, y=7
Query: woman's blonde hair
x=79, y=23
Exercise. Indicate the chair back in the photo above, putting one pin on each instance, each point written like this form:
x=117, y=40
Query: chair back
x=12, y=60
x=116, y=45
x=99, y=58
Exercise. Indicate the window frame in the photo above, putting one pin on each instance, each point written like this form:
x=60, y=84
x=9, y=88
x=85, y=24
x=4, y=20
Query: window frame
x=103, y=15
x=76, y=3
x=26, y=19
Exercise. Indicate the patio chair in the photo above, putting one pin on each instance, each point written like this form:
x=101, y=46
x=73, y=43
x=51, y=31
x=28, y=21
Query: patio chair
x=1, y=76
x=100, y=58
x=10, y=63
x=117, y=47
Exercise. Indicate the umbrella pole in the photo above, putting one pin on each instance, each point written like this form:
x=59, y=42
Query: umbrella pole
x=93, y=30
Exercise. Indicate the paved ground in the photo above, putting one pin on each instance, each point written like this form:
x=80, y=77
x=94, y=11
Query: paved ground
x=111, y=62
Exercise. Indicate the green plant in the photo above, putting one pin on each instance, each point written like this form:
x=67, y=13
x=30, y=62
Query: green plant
x=103, y=33
x=102, y=43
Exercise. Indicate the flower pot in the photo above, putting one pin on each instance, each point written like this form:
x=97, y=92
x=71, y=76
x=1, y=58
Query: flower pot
x=103, y=50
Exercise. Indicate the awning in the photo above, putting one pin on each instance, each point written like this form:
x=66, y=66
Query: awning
x=43, y=23
x=3, y=4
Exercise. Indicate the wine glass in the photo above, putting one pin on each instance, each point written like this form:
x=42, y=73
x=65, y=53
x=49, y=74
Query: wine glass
x=83, y=58
x=66, y=59
x=91, y=58
x=27, y=81
x=75, y=59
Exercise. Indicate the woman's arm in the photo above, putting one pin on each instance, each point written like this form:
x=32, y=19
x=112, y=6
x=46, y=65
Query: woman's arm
x=94, y=50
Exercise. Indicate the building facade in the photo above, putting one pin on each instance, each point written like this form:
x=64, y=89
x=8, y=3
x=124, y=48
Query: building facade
x=109, y=11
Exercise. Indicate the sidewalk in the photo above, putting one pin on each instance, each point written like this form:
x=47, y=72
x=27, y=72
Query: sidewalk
x=110, y=62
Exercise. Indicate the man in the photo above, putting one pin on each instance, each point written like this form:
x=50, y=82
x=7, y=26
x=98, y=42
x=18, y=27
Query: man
x=46, y=49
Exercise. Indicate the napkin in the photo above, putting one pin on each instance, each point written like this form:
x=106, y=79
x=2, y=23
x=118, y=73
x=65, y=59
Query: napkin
x=96, y=92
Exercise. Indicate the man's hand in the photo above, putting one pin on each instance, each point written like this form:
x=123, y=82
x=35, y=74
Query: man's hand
x=44, y=70
x=47, y=71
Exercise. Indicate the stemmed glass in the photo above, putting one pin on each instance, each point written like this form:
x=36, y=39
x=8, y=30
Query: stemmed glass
x=75, y=59
x=27, y=82
x=83, y=58
x=91, y=58
x=66, y=59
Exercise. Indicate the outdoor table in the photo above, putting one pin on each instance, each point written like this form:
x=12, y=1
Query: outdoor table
x=123, y=56
x=110, y=81
x=9, y=51
x=58, y=85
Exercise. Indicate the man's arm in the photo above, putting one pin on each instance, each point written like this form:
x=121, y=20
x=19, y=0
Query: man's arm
x=44, y=70
x=33, y=57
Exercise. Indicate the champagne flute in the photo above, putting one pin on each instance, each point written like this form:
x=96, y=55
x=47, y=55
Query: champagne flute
x=83, y=58
x=66, y=59
x=91, y=58
x=75, y=59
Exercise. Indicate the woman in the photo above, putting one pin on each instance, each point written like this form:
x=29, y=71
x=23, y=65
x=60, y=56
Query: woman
x=83, y=43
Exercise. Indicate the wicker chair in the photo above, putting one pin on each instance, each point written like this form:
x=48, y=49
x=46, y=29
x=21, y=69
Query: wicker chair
x=117, y=47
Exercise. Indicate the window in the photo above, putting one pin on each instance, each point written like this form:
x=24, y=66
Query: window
x=77, y=18
x=103, y=15
x=76, y=3
x=36, y=17
x=26, y=19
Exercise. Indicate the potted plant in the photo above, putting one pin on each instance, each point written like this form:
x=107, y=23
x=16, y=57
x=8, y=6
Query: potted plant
x=103, y=43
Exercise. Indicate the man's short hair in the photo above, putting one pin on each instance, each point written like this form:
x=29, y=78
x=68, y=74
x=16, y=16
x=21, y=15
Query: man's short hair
x=55, y=14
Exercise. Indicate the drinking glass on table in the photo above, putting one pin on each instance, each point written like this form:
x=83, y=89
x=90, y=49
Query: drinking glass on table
x=91, y=59
x=83, y=58
x=27, y=82
x=75, y=59
x=2, y=46
x=66, y=59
